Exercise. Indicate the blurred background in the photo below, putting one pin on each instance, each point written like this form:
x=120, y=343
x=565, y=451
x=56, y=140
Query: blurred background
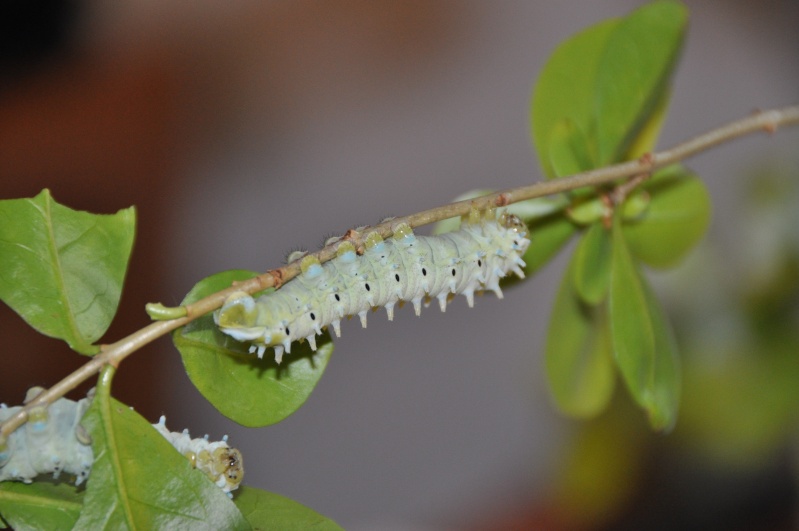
x=243, y=130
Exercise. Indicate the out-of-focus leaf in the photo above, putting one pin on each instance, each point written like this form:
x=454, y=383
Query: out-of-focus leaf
x=649, y=132
x=547, y=235
x=578, y=355
x=601, y=474
x=675, y=220
x=587, y=208
x=568, y=151
x=253, y=392
x=633, y=74
x=538, y=207
x=635, y=205
x=592, y=260
x=40, y=505
x=451, y=224
x=267, y=511
x=527, y=211
x=566, y=92
x=139, y=480
x=62, y=270
x=742, y=412
x=643, y=344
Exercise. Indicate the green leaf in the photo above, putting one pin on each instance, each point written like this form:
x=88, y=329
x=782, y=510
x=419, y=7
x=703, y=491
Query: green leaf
x=647, y=136
x=633, y=74
x=675, y=220
x=548, y=235
x=587, y=208
x=40, y=505
x=578, y=353
x=62, y=270
x=139, y=480
x=268, y=511
x=592, y=260
x=253, y=392
x=643, y=344
x=530, y=210
x=568, y=147
x=566, y=93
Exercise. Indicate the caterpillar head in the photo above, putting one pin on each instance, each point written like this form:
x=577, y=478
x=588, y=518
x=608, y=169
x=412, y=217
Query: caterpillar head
x=512, y=221
x=237, y=317
x=241, y=318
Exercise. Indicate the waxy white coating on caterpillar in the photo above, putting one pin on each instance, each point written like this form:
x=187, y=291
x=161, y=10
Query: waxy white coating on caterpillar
x=53, y=441
x=222, y=464
x=404, y=268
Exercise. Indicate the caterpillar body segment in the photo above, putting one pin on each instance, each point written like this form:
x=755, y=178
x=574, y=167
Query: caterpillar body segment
x=405, y=267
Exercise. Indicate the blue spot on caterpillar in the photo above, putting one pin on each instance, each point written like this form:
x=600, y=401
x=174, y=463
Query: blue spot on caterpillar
x=54, y=442
x=404, y=268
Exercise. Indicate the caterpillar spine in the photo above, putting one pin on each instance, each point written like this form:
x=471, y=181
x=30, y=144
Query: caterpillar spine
x=405, y=267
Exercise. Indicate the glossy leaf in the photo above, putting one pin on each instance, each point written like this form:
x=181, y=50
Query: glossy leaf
x=675, y=220
x=634, y=72
x=139, y=481
x=253, y=392
x=566, y=93
x=592, y=260
x=643, y=344
x=268, y=511
x=579, y=361
x=62, y=270
x=40, y=505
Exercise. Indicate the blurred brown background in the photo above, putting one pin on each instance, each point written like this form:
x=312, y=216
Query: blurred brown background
x=243, y=130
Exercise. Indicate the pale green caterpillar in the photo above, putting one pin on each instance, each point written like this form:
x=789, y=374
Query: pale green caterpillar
x=54, y=442
x=405, y=267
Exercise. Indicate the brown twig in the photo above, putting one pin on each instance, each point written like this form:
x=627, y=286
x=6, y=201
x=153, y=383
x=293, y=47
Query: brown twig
x=767, y=121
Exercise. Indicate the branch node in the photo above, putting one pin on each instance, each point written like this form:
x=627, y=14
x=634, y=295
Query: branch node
x=277, y=277
x=503, y=199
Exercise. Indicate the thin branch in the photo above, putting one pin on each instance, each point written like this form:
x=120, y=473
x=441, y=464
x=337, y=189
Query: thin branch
x=113, y=354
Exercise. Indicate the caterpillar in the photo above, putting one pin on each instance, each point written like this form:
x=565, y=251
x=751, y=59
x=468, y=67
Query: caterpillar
x=54, y=442
x=405, y=267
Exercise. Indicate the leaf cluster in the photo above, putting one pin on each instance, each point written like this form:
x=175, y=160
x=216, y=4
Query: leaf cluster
x=601, y=99
x=62, y=271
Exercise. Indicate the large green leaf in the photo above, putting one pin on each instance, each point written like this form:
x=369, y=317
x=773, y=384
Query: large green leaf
x=268, y=511
x=675, y=220
x=579, y=361
x=562, y=109
x=253, y=392
x=592, y=260
x=643, y=344
x=139, y=480
x=40, y=505
x=62, y=270
x=633, y=74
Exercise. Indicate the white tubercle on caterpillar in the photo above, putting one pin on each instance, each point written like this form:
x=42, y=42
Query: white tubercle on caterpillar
x=53, y=441
x=405, y=267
